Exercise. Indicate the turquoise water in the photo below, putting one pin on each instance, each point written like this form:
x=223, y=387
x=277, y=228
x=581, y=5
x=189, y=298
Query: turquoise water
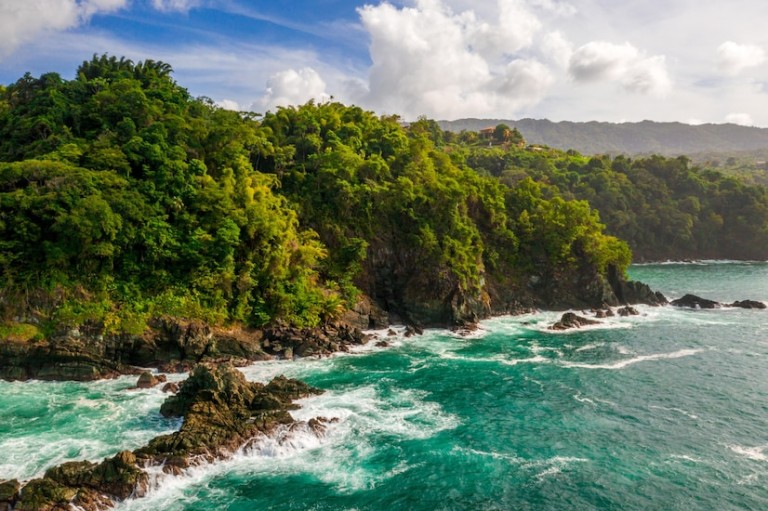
x=668, y=410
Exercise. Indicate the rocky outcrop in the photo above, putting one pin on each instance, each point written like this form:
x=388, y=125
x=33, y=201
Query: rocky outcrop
x=629, y=292
x=569, y=320
x=748, y=304
x=695, y=302
x=222, y=411
x=627, y=310
x=366, y=314
x=287, y=342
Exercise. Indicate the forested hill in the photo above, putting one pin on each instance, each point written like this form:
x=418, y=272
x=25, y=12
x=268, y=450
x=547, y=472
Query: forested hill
x=647, y=137
x=123, y=198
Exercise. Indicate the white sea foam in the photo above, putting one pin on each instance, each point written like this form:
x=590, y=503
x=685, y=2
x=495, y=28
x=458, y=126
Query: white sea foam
x=676, y=410
x=361, y=417
x=56, y=422
x=752, y=453
x=621, y=364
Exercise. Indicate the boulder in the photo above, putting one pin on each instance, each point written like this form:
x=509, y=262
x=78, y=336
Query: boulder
x=9, y=493
x=695, y=302
x=627, y=311
x=748, y=304
x=570, y=320
x=171, y=387
x=148, y=380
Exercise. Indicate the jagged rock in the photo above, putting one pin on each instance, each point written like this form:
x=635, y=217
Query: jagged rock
x=628, y=311
x=366, y=314
x=9, y=493
x=695, y=302
x=570, y=320
x=391, y=333
x=601, y=314
x=631, y=292
x=748, y=304
x=45, y=495
x=382, y=344
x=148, y=380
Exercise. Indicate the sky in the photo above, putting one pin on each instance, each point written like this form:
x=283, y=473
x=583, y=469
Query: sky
x=691, y=61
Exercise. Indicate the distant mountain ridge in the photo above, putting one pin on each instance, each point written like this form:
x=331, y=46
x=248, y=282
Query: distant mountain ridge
x=666, y=138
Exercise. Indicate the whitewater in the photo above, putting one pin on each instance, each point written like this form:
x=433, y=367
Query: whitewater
x=665, y=410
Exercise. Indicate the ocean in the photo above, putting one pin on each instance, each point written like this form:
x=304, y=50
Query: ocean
x=665, y=410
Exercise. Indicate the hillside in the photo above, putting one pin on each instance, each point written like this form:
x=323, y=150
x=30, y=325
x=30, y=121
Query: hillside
x=647, y=137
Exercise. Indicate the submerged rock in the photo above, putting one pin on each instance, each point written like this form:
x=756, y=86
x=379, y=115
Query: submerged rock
x=570, y=320
x=695, y=302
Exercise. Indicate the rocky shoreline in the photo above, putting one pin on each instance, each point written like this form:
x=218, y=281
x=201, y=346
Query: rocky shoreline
x=222, y=412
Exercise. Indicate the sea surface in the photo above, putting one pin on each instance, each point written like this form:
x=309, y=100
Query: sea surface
x=664, y=411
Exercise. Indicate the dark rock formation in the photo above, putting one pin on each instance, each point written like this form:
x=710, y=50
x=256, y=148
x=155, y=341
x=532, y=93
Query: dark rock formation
x=9, y=491
x=85, y=353
x=366, y=314
x=695, y=302
x=222, y=411
x=630, y=292
x=287, y=341
x=570, y=320
x=627, y=311
x=748, y=304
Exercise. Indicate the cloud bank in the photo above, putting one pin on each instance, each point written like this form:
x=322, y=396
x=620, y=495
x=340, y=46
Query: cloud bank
x=22, y=21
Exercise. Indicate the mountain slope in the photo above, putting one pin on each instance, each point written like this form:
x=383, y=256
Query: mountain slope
x=668, y=138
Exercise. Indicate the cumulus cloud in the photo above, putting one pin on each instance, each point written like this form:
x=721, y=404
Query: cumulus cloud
x=557, y=49
x=623, y=63
x=733, y=58
x=292, y=87
x=740, y=118
x=23, y=21
x=429, y=59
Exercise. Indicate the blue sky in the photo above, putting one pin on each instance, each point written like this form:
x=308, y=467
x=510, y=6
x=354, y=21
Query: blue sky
x=607, y=60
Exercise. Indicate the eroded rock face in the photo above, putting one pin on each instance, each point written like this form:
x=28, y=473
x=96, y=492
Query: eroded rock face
x=222, y=411
x=570, y=320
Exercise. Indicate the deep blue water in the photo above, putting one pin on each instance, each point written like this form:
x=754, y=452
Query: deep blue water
x=668, y=410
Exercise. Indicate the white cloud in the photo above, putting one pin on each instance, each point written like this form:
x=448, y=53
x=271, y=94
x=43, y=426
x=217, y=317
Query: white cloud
x=740, y=118
x=228, y=104
x=431, y=60
x=23, y=21
x=293, y=87
x=635, y=72
x=557, y=49
x=733, y=58
x=175, y=5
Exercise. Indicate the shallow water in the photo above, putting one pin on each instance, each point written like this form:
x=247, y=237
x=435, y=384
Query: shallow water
x=667, y=410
